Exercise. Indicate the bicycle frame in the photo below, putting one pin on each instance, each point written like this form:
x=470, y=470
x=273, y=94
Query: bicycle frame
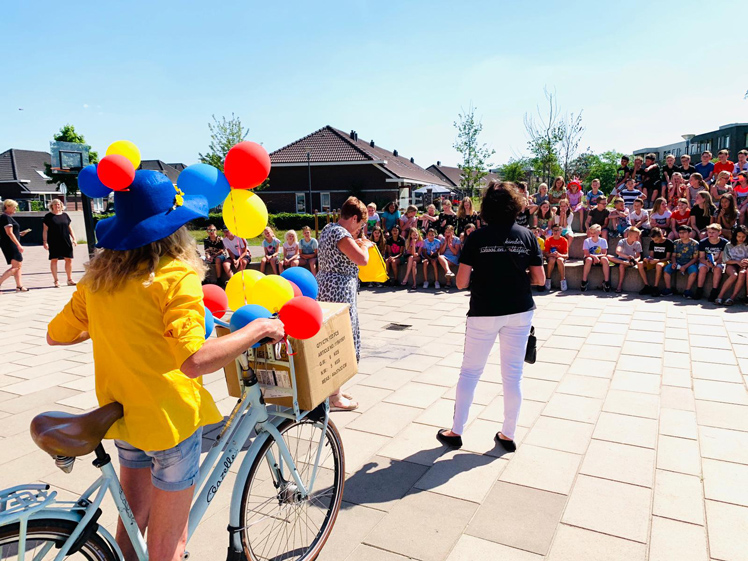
x=249, y=413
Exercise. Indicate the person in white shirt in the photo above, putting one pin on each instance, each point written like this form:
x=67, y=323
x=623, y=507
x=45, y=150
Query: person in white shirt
x=291, y=252
x=238, y=253
x=639, y=217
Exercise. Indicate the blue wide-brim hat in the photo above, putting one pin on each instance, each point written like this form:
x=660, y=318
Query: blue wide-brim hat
x=151, y=209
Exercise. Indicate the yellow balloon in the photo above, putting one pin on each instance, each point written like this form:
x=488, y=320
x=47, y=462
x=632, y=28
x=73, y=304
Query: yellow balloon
x=271, y=292
x=239, y=287
x=127, y=149
x=244, y=213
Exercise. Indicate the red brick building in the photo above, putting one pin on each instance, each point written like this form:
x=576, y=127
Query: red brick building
x=330, y=165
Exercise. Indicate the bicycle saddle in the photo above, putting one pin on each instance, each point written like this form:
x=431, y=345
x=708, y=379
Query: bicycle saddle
x=63, y=434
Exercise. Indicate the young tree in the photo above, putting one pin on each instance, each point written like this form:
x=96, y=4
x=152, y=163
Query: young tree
x=598, y=166
x=545, y=132
x=475, y=156
x=224, y=134
x=68, y=134
x=515, y=169
x=572, y=130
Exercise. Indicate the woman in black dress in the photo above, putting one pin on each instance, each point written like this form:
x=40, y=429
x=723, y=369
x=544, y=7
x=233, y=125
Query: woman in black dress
x=10, y=243
x=59, y=240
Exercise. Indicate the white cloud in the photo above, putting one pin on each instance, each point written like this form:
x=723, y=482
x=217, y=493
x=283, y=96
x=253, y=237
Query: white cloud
x=85, y=106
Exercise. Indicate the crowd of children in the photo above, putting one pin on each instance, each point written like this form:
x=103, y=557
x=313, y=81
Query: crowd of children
x=693, y=216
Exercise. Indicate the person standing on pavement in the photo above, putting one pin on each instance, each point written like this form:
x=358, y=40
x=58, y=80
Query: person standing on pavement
x=10, y=244
x=498, y=257
x=59, y=240
x=340, y=253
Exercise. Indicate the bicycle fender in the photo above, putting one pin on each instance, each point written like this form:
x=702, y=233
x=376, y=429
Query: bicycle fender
x=241, y=477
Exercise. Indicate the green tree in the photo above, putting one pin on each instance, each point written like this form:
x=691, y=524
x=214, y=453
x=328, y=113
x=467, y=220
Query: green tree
x=515, y=169
x=68, y=134
x=598, y=166
x=475, y=155
x=224, y=134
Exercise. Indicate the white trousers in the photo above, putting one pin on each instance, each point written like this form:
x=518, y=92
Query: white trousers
x=480, y=335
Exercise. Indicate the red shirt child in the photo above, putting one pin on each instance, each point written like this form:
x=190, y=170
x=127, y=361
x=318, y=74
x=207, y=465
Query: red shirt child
x=561, y=245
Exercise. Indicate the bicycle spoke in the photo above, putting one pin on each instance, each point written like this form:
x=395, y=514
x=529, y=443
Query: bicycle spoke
x=277, y=524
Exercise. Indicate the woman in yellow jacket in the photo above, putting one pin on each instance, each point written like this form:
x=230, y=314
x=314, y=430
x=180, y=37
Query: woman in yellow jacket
x=141, y=303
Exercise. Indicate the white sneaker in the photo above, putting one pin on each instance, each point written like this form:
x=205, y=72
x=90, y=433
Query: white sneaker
x=425, y=285
x=564, y=286
x=437, y=285
x=548, y=284
x=449, y=275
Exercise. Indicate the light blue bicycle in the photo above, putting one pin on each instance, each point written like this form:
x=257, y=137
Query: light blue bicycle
x=284, y=504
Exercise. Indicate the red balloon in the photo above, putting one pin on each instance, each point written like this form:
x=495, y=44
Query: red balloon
x=215, y=299
x=247, y=165
x=302, y=317
x=116, y=172
x=296, y=289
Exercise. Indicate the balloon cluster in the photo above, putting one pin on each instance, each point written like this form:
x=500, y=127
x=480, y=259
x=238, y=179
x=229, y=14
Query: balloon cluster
x=252, y=295
x=246, y=166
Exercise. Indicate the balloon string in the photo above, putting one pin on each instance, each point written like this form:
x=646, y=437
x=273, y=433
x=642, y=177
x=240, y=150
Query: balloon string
x=288, y=346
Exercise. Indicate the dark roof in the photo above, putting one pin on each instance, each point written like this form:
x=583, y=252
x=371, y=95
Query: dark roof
x=330, y=145
x=178, y=166
x=24, y=169
x=453, y=176
x=157, y=165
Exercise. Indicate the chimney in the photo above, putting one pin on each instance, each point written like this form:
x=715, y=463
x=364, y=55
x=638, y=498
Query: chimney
x=438, y=164
x=371, y=143
x=412, y=161
x=394, y=152
x=353, y=134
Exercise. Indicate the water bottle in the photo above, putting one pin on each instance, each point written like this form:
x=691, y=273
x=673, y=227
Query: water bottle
x=710, y=258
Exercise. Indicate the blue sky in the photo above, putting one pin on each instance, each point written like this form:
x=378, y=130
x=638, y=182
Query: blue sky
x=398, y=72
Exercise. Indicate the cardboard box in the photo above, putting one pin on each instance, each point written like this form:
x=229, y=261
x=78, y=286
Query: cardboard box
x=322, y=364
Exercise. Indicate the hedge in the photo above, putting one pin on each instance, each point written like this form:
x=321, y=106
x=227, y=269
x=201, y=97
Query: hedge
x=281, y=221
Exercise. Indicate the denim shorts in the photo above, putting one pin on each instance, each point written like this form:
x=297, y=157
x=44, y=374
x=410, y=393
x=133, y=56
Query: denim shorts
x=175, y=469
x=719, y=266
x=691, y=270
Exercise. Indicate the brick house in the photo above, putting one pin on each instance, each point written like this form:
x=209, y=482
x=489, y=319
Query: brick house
x=453, y=175
x=22, y=177
x=333, y=165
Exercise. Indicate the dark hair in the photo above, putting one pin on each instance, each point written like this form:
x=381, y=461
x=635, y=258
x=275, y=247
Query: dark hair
x=391, y=203
x=353, y=207
x=739, y=228
x=625, y=158
x=655, y=232
x=521, y=185
x=651, y=156
x=501, y=203
x=685, y=228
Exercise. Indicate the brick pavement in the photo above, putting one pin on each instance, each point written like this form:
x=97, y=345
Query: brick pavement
x=633, y=440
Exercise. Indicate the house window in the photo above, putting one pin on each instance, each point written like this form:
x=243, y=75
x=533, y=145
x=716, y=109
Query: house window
x=301, y=203
x=324, y=201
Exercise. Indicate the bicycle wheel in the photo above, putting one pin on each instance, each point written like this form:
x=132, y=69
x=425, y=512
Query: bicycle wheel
x=276, y=523
x=45, y=537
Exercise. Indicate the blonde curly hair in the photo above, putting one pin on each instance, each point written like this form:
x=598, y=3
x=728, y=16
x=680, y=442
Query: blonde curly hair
x=109, y=269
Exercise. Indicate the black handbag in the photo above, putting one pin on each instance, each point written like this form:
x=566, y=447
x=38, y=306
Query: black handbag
x=531, y=352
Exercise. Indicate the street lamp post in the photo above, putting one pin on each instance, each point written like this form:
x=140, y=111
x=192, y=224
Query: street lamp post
x=309, y=177
x=687, y=138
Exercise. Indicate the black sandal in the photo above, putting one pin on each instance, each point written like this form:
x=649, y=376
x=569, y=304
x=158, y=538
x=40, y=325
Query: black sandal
x=21, y=289
x=451, y=441
x=507, y=445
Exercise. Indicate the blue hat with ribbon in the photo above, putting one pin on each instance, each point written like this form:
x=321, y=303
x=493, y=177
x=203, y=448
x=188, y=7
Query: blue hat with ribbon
x=151, y=209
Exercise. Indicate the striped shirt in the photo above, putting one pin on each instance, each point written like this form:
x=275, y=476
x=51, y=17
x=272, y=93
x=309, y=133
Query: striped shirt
x=629, y=196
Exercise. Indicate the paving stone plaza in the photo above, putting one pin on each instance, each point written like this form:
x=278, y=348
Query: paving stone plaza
x=633, y=439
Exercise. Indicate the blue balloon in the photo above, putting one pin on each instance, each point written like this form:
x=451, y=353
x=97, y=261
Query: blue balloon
x=90, y=185
x=304, y=279
x=205, y=180
x=210, y=323
x=246, y=315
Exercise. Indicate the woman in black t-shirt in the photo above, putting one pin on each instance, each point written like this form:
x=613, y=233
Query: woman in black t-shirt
x=10, y=243
x=59, y=240
x=497, y=257
x=701, y=214
x=446, y=218
x=466, y=215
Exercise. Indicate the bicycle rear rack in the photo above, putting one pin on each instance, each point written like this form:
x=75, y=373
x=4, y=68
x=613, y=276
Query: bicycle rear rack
x=20, y=502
